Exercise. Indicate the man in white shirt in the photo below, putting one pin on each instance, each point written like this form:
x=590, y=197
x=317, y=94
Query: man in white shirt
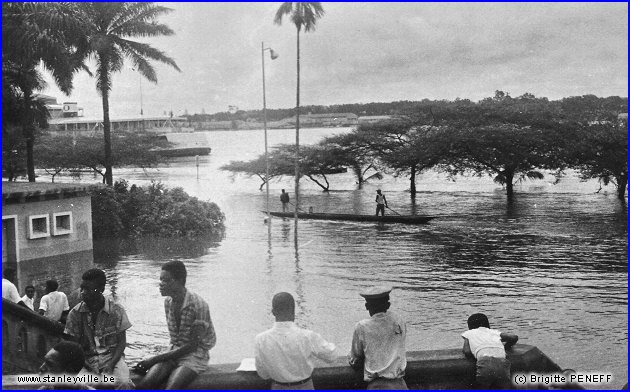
x=28, y=298
x=54, y=304
x=286, y=354
x=378, y=343
x=9, y=291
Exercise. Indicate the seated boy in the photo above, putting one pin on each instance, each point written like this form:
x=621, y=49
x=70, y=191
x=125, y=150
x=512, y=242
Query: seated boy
x=488, y=347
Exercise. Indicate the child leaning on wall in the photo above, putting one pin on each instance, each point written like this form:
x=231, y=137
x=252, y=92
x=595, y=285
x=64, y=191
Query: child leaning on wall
x=488, y=347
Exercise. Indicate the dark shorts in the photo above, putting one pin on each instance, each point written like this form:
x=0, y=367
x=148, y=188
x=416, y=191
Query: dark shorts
x=493, y=373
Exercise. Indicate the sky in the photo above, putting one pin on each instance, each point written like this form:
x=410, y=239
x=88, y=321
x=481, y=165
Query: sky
x=373, y=52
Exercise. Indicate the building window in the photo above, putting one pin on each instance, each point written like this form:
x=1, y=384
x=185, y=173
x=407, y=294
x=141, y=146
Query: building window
x=63, y=223
x=38, y=226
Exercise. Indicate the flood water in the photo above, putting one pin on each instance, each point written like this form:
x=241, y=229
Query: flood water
x=550, y=267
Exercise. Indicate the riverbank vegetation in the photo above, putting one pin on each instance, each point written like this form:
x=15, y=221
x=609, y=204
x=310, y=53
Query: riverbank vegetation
x=508, y=139
x=84, y=154
x=125, y=211
x=64, y=38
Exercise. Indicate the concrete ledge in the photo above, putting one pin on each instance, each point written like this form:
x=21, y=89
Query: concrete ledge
x=435, y=369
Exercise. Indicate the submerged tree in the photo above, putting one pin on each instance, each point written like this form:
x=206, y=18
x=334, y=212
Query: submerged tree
x=304, y=16
x=253, y=168
x=601, y=151
x=316, y=163
x=353, y=151
x=508, y=152
x=107, y=28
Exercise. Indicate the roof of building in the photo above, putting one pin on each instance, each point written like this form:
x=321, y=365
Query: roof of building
x=327, y=115
x=84, y=120
x=375, y=117
x=16, y=190
x=46, y=98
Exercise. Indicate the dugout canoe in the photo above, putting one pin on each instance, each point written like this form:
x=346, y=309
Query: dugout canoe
x=407, y=219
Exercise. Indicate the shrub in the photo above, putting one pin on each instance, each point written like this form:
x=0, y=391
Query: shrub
x=155, y=210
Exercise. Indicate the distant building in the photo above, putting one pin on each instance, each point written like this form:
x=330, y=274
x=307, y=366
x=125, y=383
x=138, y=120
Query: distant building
x=373, y=119
x=46, y=229
x=156, y=124
x=66, y=109
x=323, y=120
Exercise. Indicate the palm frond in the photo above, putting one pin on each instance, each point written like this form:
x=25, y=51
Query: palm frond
x=140, y=20
x=137, y=49
x=304, y=15
x=285, y=9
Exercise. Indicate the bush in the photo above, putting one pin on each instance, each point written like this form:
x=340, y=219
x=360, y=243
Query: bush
x=124, y=211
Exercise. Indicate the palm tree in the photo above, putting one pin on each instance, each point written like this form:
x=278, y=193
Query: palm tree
x=34, y=34
x=304, y=16
x=107, y=27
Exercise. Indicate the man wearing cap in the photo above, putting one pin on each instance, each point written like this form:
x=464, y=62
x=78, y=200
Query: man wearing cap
x=378, y=343
x=286, y=353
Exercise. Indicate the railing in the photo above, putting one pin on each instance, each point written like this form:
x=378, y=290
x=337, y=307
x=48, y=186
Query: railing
x=26, y=338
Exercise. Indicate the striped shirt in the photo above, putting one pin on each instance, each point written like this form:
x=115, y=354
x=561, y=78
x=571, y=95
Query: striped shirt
x=194, y=312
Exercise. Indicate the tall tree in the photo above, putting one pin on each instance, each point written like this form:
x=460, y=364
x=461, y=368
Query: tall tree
x=304, y=16
x=35, y=36
x=508, y=152
x=107, y=28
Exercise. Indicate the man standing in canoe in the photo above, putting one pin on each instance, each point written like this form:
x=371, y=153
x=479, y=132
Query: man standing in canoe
x=381, y=203
x=284, y=198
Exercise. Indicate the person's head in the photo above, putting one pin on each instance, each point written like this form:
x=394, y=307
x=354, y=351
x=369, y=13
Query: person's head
x=92, y=286
x=283, y=307
x=65, y=357
x=478, y=320
x=377, y=299
x=29, y=291
x=378, y=191
x=51, y=285
x=377, y=305
x=9, y=274
x=172, y=278
x=283, y=191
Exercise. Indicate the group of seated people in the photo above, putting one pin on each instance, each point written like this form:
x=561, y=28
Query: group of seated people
x=285, y=354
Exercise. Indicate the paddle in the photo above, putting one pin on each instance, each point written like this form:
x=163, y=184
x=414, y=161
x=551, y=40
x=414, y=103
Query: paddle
x=393, y=211
x=299, y=209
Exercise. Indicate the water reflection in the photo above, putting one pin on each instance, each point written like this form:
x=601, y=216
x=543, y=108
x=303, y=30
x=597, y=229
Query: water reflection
x=156, y=248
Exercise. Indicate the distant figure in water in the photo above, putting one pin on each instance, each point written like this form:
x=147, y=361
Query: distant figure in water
x=381, y=202
x=284, y=198
x=488, y=347
x=310, y=209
